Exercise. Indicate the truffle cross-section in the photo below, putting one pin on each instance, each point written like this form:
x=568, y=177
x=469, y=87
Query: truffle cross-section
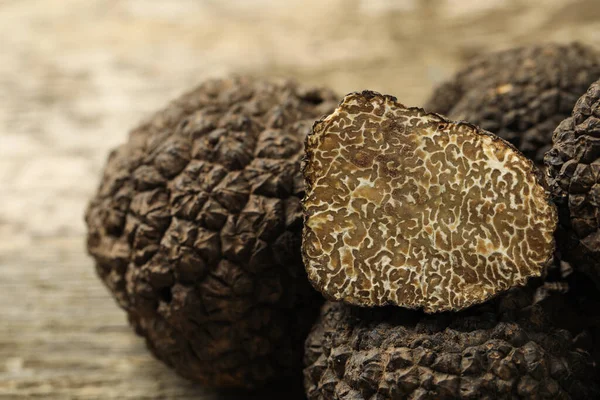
x=404, y=207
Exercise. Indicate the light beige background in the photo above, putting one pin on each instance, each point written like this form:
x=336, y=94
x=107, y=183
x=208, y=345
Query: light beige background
x=75, y=75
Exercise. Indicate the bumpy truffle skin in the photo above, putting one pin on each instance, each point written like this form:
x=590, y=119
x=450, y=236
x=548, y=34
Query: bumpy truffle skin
x=573, y=166
x=196, y=230
x=505, y=349
x=520, y=94
x=407, y=208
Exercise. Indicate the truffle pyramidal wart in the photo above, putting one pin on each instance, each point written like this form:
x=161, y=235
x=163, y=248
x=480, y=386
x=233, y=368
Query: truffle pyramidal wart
x=573, y=166
x=520, y=94
x=407, y=208
x=196, y=230
x=509, y=348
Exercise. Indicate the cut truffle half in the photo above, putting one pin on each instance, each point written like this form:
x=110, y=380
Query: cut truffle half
x=573, y=166
x=407, y=208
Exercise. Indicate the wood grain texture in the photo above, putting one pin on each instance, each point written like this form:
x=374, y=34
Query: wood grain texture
x=76, y=74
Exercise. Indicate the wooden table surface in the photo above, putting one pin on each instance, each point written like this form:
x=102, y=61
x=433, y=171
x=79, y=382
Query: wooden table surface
x=76, y=74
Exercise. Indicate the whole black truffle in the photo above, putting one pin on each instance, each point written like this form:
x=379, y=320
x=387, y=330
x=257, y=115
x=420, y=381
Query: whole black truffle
x=196, y=230
x=573, y=166
x=407, y=208
x=520, y=94
x=504, y=349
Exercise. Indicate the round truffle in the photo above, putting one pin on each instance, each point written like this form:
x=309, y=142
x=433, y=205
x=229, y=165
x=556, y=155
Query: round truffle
x=407, y=208
x=573, y=166
x=505, y=349
x=196, y=230
x=520, y=94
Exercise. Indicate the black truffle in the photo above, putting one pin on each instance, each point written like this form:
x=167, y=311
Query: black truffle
x=407, y=208
x=520, y=94
x=507, y=348
x=573, y=166
x=196, y=227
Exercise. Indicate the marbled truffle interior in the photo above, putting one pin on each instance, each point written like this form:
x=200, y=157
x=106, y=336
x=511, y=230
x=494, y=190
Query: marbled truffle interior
x=404, y=207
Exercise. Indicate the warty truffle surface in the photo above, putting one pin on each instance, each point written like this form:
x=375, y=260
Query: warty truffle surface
x=520, y=94
x=573, y=166
x=196, y=230
x=508, y=348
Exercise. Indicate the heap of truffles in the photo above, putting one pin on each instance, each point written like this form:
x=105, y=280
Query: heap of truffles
x=505, y=349
x=196, y=230
x=573, y=166
x=520, y=94
x=211, y=223
x=407, y=208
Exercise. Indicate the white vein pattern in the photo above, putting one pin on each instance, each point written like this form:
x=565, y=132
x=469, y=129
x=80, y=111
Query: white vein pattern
x=403, y=207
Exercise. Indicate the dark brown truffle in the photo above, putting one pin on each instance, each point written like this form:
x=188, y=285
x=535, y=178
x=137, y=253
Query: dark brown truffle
x=196, y=230
x=505, y=349
x=407, y=208
x=520, y=94
x=573, y=166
